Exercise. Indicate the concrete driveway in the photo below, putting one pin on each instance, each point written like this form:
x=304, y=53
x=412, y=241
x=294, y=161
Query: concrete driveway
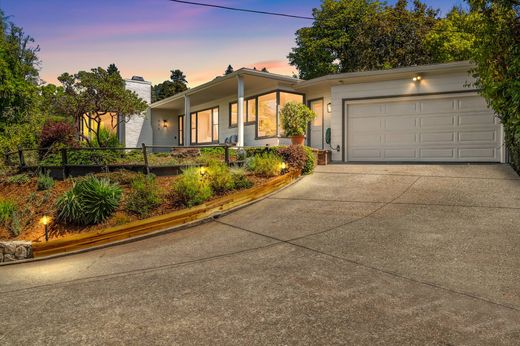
x=354, y=254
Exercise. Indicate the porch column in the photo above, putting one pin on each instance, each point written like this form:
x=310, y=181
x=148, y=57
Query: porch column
x=240, y=110
x=187, y=121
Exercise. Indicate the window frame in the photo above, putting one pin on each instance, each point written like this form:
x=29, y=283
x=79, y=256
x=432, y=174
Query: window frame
x=180, y=130
x=247, y=121
x=195, y=115
x=277, y=91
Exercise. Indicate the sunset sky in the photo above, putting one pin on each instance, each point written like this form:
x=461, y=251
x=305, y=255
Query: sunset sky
x=150, y=37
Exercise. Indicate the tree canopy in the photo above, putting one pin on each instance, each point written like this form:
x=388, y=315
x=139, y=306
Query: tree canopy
x=175, y=85
x=497, y=56
x=229, y=70
x=94, y=94
x=360, y=35
x=19, y=76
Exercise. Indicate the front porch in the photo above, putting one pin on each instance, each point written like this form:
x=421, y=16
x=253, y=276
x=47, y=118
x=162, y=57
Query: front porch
x=242, y=108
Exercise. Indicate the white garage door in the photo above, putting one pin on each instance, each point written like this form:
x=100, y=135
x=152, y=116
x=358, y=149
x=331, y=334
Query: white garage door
x=423, y=128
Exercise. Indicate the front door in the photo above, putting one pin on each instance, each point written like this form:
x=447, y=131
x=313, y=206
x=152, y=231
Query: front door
x=315, y=136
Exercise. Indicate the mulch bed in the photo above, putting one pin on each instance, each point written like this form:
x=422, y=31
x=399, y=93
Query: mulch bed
x=35, y=204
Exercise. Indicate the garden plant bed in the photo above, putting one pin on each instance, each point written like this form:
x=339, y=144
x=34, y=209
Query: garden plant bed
x=39, y=203
x=166, y=218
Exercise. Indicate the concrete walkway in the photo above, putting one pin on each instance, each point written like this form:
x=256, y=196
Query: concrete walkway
x=354, y=254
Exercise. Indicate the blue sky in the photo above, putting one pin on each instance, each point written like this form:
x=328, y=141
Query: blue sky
x=150, y=37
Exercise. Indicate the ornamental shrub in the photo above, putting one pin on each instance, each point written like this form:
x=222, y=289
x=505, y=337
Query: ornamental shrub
x=90, y=201
x=7, y=210
x=240, y=179
x=19, y=179
x=44, y=182
x=191, y=188
x=144, y=195
x=295, y=117
x=220, y=177
x=266, y=164
x=58, y=132
x=294, y=156
x=310, y=163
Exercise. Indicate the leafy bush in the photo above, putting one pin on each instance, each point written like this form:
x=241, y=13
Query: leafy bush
x=8, y=216
x=84, y=157
x=107, y=138
x=266, y=164
x=90, y=201
x=191, y=188
x=240, y=179
x=7, y=209
x=144, y=196
x=298, y=157
x=310, y=164
x=58, y=132
x=19, y=179
x=220, y=177
x=295, y=117
x=294, y=156
x=44, y=182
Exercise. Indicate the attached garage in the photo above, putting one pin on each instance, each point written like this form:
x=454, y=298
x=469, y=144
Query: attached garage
x=449, y=127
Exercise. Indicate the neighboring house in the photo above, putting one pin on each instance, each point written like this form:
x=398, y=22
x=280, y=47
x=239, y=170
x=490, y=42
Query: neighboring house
x=420, y=113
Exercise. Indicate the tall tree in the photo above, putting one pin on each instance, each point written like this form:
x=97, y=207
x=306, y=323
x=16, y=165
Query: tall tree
x=93, y=94
x=497, y=55
x=112, y=69
x=359, y=35
x=175, y=85
x=453, y=37
x=19, y=75
x=264, y=69
x=229, y=70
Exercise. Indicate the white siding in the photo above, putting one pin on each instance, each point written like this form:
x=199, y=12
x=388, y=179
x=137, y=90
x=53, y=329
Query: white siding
x=138, y=128
x=431, y=83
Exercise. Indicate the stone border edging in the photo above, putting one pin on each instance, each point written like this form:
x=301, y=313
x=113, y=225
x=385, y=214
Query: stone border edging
x=158, y=224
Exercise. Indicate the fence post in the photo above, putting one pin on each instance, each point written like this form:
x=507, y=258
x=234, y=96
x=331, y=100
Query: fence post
x=21, y=157
x=226, y=154
x=145, y=156
x=64, y=162
x=6, y=158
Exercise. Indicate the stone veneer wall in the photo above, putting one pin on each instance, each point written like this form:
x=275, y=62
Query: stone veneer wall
x=15, y=251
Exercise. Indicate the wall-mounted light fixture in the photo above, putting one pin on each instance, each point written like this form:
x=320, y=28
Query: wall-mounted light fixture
x=165, y=124
x=417, y=78
x=329, y=107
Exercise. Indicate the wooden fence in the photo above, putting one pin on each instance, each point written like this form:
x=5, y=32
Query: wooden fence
x=66, y=169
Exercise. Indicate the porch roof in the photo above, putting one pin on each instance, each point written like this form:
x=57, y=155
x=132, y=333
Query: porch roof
x=224, y=86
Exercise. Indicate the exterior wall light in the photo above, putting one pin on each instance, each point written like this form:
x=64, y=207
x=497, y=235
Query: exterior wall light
x=45, y=220
x=165, y=124
x=329, y=107
x=417, y=78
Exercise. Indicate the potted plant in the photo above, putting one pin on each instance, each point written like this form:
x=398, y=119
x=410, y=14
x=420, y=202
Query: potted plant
x=295, y=117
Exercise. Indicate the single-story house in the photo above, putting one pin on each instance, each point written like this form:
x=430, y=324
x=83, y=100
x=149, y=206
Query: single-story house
x=419, y=113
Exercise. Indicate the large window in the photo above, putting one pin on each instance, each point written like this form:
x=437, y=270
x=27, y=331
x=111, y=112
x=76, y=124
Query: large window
x=108, y=122
x=267, y=115
x=249, y=112
x=284, y=99
x=181, y=130
x=204, y=126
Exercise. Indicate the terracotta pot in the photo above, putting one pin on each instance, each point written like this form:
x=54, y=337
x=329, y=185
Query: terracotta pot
x=298, y=140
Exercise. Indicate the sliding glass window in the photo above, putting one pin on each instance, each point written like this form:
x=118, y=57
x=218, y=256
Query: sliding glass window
x=249, y=112
x=204, y=126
